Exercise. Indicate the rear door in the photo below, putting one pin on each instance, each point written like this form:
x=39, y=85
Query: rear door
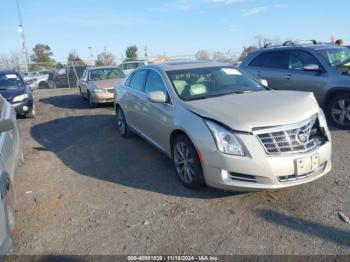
x=272, y=66
x=135, y=99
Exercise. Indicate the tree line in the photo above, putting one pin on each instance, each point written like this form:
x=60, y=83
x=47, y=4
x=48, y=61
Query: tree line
x=42, y=58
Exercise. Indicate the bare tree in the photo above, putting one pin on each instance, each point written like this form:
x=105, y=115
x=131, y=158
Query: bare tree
x=227, y=57
x=261, y=41
x=74, y=58
x=202, y=55
x=13, y=60
x=245, y=51
x=105, y=58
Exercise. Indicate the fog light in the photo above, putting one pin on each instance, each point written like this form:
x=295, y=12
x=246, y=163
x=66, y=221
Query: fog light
x=25, y=108
x=225, y=175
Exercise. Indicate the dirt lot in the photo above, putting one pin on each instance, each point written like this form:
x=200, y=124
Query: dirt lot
x=85, y=190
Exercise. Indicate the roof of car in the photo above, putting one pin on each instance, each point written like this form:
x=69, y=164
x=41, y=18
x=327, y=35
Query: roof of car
x=101, y=67
x=318, y=46
x=180, y=65
x=8, y=71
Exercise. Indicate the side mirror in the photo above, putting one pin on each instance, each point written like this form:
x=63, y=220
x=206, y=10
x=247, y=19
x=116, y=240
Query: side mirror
x=312, y=67
x=6, y=125
x=157, y=97
x=264, y=82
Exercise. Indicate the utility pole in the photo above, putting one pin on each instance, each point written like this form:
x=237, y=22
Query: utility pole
x=91, y=59
x=146, y=55
x=23, y=40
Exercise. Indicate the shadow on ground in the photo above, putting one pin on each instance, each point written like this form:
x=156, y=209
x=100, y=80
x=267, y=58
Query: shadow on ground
x=91, y=146
x=313, y=229
x=69, y=102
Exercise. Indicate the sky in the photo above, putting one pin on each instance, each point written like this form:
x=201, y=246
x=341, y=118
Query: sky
x=174, y=27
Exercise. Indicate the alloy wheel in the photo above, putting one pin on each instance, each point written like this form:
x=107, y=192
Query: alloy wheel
x=184, y=162
x=341, y=111
x=121, y=122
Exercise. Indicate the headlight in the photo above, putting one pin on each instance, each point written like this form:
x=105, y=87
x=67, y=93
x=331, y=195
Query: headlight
x=225, y=140
x=322, y=118
x=20, y=98
x=100, y=90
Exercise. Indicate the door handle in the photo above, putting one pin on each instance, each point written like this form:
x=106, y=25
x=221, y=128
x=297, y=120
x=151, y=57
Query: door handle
x=258, y=73
x=288, y=77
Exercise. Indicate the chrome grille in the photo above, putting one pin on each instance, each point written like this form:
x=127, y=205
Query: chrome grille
x=288, y=139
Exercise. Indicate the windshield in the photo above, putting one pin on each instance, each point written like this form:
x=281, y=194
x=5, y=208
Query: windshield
x=336, y=56
x=105, y=74
x=200, y=83
x=10, y=80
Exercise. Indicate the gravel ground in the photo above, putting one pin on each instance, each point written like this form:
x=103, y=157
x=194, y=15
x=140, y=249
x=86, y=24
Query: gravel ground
x=85, y=190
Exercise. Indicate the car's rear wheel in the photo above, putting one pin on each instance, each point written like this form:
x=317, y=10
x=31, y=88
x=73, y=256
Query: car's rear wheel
x=122, y=125
x=43, y=85
x=187, y=163
x=338, y=111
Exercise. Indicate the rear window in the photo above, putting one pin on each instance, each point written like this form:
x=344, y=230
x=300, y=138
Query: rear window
x=105, y=74
x=274, y=59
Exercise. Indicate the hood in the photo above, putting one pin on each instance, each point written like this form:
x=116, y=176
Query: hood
x=10, y=92
x=109, y=83
x=243, y=112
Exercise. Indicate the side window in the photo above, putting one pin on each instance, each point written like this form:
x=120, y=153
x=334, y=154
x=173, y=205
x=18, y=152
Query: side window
x=259, y=60
x=272, y=59
x=154, y=83
x=128, y=80
x=138, y=80
x=298, y=59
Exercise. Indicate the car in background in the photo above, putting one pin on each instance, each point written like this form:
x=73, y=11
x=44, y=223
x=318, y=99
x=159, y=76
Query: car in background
x=16, y=92
x=129, y=66
x=66, y=77
x=97, y=84
x=223, y=128
x=37, y=80
x=319, y=68
x=10, y=158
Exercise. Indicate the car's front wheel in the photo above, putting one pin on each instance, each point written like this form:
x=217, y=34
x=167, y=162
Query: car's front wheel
x=91, y=102
x=187, y=163
x=122, y=125
x=10, y=209
x=338, y=111
x=32, y=113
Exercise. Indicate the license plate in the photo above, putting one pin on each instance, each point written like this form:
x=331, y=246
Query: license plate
x=307, y=165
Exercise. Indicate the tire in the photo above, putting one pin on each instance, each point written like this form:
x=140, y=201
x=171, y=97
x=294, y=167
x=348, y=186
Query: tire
x=43, y=85
x=338, y=111
x=32, y=113
x=122, y=125
x=187, y=164
x=91, y=103
x=82, y=96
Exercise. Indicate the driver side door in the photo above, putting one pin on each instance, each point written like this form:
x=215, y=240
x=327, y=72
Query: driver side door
x=157, y=118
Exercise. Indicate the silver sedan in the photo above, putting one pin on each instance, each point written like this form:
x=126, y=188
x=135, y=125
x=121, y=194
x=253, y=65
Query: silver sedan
x=223, y=128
